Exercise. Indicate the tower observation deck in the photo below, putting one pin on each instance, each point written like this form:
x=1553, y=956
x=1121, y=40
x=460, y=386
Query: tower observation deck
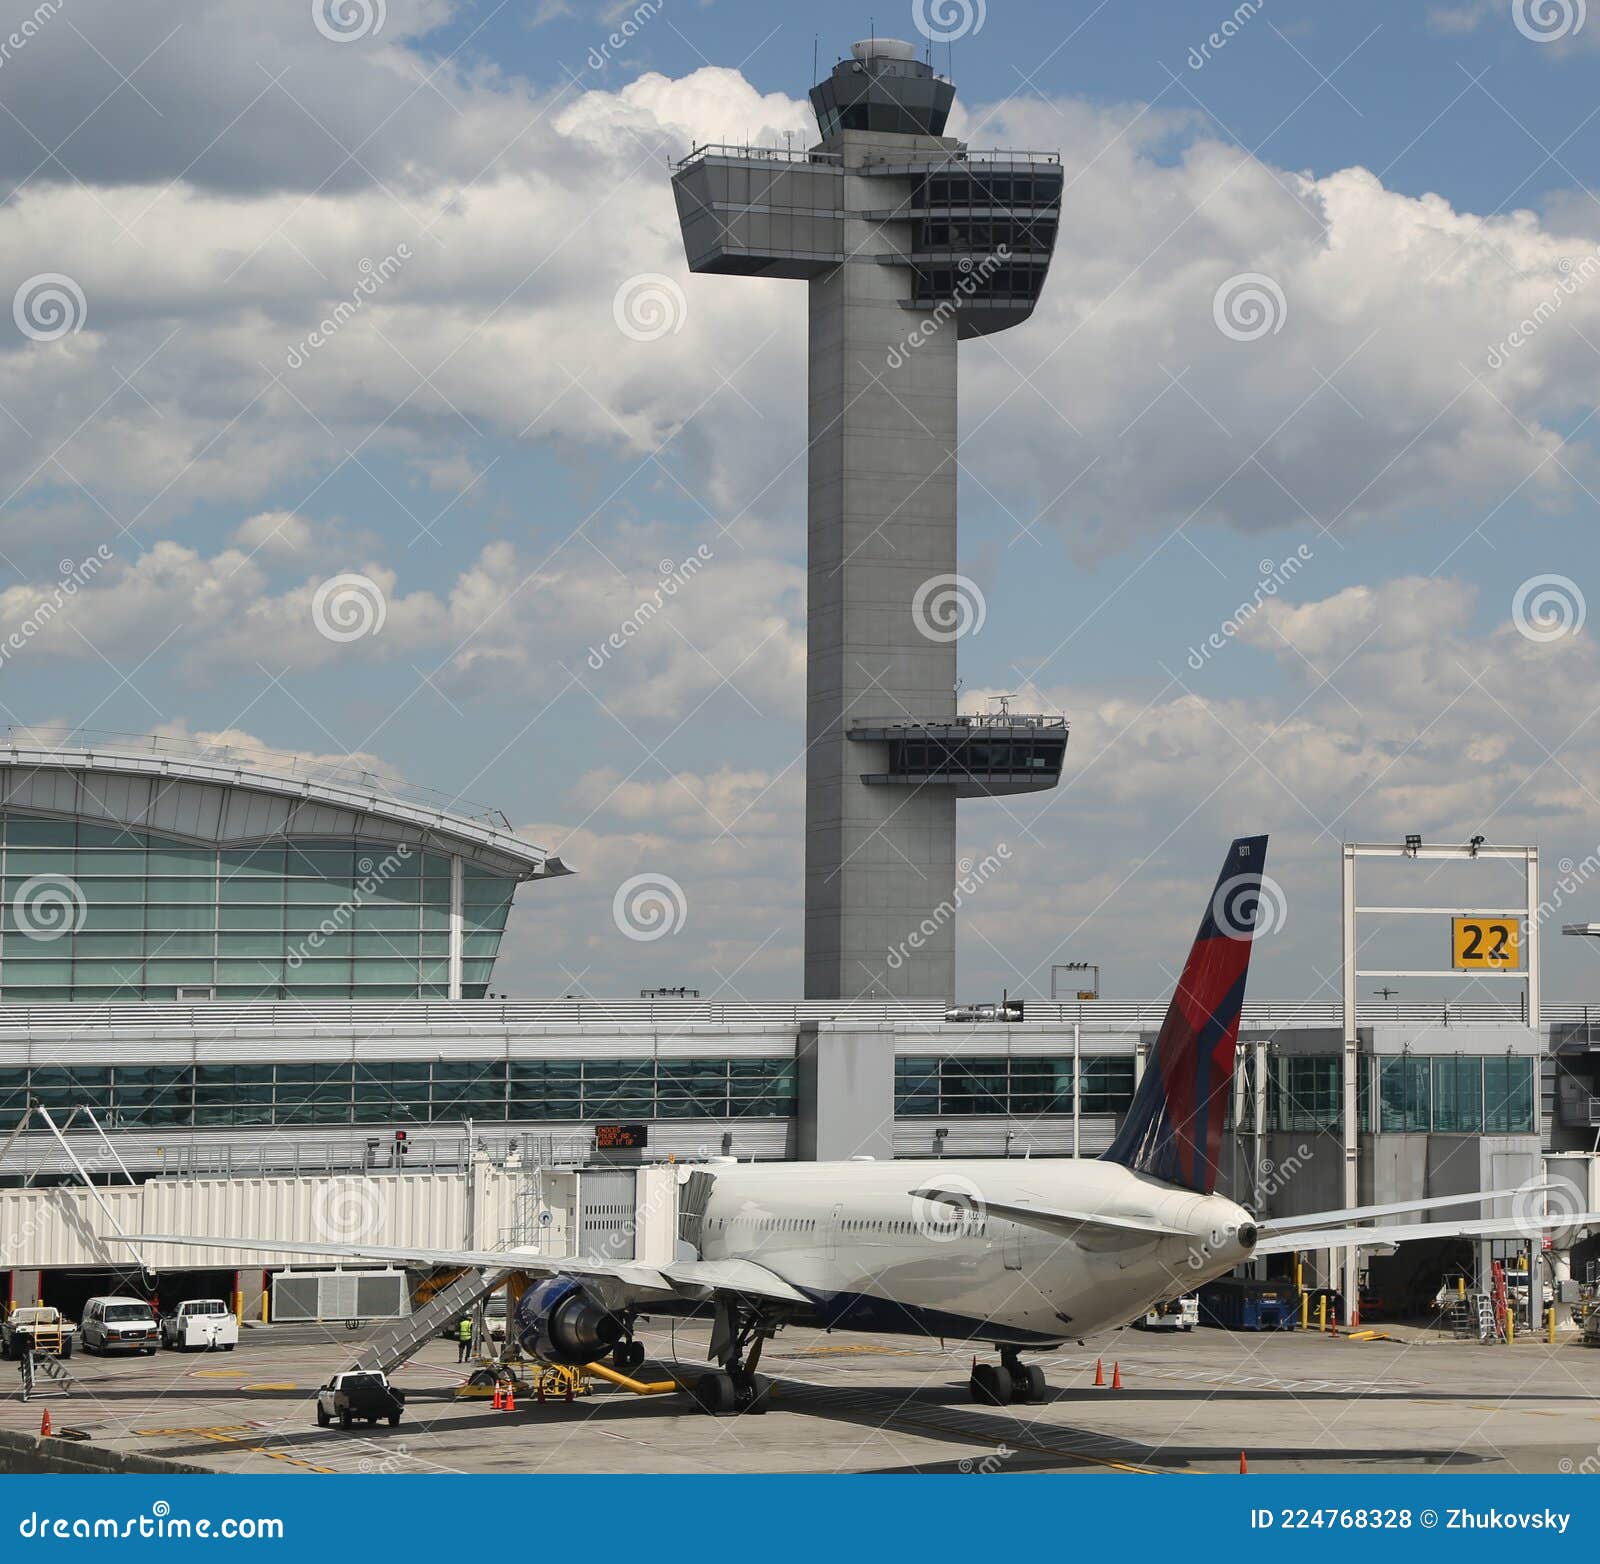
x=908, y=242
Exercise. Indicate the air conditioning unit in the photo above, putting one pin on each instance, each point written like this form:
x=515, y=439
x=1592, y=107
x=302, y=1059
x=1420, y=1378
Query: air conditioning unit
x=193, y=993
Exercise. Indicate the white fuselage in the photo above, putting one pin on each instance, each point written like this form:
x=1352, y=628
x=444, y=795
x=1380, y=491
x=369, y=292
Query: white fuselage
x=852, y=1236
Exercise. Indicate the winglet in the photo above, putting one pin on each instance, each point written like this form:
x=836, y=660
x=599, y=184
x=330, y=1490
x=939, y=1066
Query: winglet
x=1173, y=1130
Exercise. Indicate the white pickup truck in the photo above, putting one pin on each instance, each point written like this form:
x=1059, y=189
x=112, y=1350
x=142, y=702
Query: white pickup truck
x=200, y=1324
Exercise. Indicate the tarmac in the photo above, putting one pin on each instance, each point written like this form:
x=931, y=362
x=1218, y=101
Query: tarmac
x=1287, y=1402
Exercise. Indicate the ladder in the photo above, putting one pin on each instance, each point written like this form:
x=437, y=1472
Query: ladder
x=1459, y=1315
x=393, y=1345
x=33, y=1365
x=1491, y=1322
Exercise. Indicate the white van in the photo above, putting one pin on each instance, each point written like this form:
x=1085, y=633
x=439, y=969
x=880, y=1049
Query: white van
x=118, y=1325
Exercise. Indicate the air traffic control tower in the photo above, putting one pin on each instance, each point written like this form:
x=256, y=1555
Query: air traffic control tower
x=907, y=242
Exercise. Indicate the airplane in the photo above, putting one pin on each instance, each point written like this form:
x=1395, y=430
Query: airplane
x=1014, y=1255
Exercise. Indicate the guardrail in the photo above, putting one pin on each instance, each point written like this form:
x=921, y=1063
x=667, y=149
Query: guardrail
x=85, y=1021
x=762, y=154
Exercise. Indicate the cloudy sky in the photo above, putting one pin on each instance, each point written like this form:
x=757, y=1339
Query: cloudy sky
x=1321, y=338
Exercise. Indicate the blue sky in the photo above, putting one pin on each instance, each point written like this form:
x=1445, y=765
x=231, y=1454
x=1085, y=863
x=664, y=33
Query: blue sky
x=516, y=474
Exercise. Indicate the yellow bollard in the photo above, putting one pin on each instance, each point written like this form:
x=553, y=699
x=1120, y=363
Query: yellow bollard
x=1461, y=1287
x=1322, y=1313
x=1550, y=1325
x=1305, y=1311
x=1511, y=1327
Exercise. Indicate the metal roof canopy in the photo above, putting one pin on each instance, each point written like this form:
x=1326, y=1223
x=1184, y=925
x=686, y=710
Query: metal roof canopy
x=284, y=804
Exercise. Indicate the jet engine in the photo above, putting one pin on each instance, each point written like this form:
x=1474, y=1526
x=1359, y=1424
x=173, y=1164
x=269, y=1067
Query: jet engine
x=558, y=1322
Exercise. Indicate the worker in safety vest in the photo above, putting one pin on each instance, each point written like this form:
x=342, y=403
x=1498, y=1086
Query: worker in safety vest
x=464, y=1339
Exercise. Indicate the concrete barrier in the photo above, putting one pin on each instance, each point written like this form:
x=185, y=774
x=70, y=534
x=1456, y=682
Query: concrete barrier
x=26, y=1453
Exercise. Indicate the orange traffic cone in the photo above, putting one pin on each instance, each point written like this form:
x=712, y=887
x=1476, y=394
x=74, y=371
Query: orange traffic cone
x=1116, y=1376
x=1100, y=1371
x=499, y=1396
x=44, y=1424
x=1244, y=1465
x=511, y=1398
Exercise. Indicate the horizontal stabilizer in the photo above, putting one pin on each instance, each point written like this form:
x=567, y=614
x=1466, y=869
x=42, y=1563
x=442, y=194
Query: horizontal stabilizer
x=1053, y=1219
x=1272, y=1226
x=1401, y=1233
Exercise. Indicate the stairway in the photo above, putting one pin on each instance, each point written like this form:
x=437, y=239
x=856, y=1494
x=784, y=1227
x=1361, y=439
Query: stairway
x=394, y=1344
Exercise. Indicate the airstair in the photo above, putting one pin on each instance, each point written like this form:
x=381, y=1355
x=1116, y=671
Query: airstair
x=397, y=1341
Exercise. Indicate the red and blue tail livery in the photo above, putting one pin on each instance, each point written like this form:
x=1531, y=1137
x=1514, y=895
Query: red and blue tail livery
x=1173, y=1130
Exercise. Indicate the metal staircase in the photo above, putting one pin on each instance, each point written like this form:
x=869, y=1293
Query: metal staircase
x=397, y=1341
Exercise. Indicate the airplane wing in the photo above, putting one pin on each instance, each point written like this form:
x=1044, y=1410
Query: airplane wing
x=619, y=1281
x=1054, y=1219
x=1383, y=1237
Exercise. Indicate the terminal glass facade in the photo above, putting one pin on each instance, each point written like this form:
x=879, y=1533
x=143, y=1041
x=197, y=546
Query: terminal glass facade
x=1420, y=1094
x=411, y=1091
x=106, y=914
x=1014, y=1086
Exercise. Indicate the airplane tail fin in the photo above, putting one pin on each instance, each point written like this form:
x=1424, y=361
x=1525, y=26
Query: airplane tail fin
x=1173, y=1130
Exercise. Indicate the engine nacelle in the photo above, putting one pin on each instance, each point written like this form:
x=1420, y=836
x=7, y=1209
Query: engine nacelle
x=558, y=1322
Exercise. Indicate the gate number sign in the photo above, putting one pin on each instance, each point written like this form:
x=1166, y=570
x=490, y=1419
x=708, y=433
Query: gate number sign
x=1479, y=943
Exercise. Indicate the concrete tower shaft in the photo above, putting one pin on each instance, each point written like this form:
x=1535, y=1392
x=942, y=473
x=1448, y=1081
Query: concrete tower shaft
x=908, y=242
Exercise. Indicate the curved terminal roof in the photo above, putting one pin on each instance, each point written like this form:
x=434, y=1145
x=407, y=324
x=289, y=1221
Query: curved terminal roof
x=224, y=796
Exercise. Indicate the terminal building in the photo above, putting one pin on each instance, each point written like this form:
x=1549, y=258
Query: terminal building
x=238, y=1016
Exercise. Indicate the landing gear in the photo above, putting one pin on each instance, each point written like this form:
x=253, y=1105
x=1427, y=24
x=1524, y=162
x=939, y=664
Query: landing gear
x=628, y=1355
x=1011, y=1380
x=736, y=1342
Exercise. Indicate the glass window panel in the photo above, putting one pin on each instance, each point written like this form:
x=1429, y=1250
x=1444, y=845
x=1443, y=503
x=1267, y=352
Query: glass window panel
x=250, y=917
x=124, y=944
x=1458, y=1095
x=250, y=889
x=317, y=893
x=98, y=918
x=171, y=942
x=916, y=1086
x=31, y=831
x=175, y=915
x=250, y=971
x=193, y=888
x=21, y=862
x=251, y=861
x=369, y=919
x=193, y=862
x=333, y=863
x=1508, y=1095
x=1107, y=1085
x=1403, y=1093
x=168, y=973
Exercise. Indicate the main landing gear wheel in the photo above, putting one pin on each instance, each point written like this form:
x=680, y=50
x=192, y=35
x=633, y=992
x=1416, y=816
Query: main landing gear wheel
x=1028, y=1383
x=752, y=1392
x=715, y=1393
x=991, y=1385
x=628, y=1355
